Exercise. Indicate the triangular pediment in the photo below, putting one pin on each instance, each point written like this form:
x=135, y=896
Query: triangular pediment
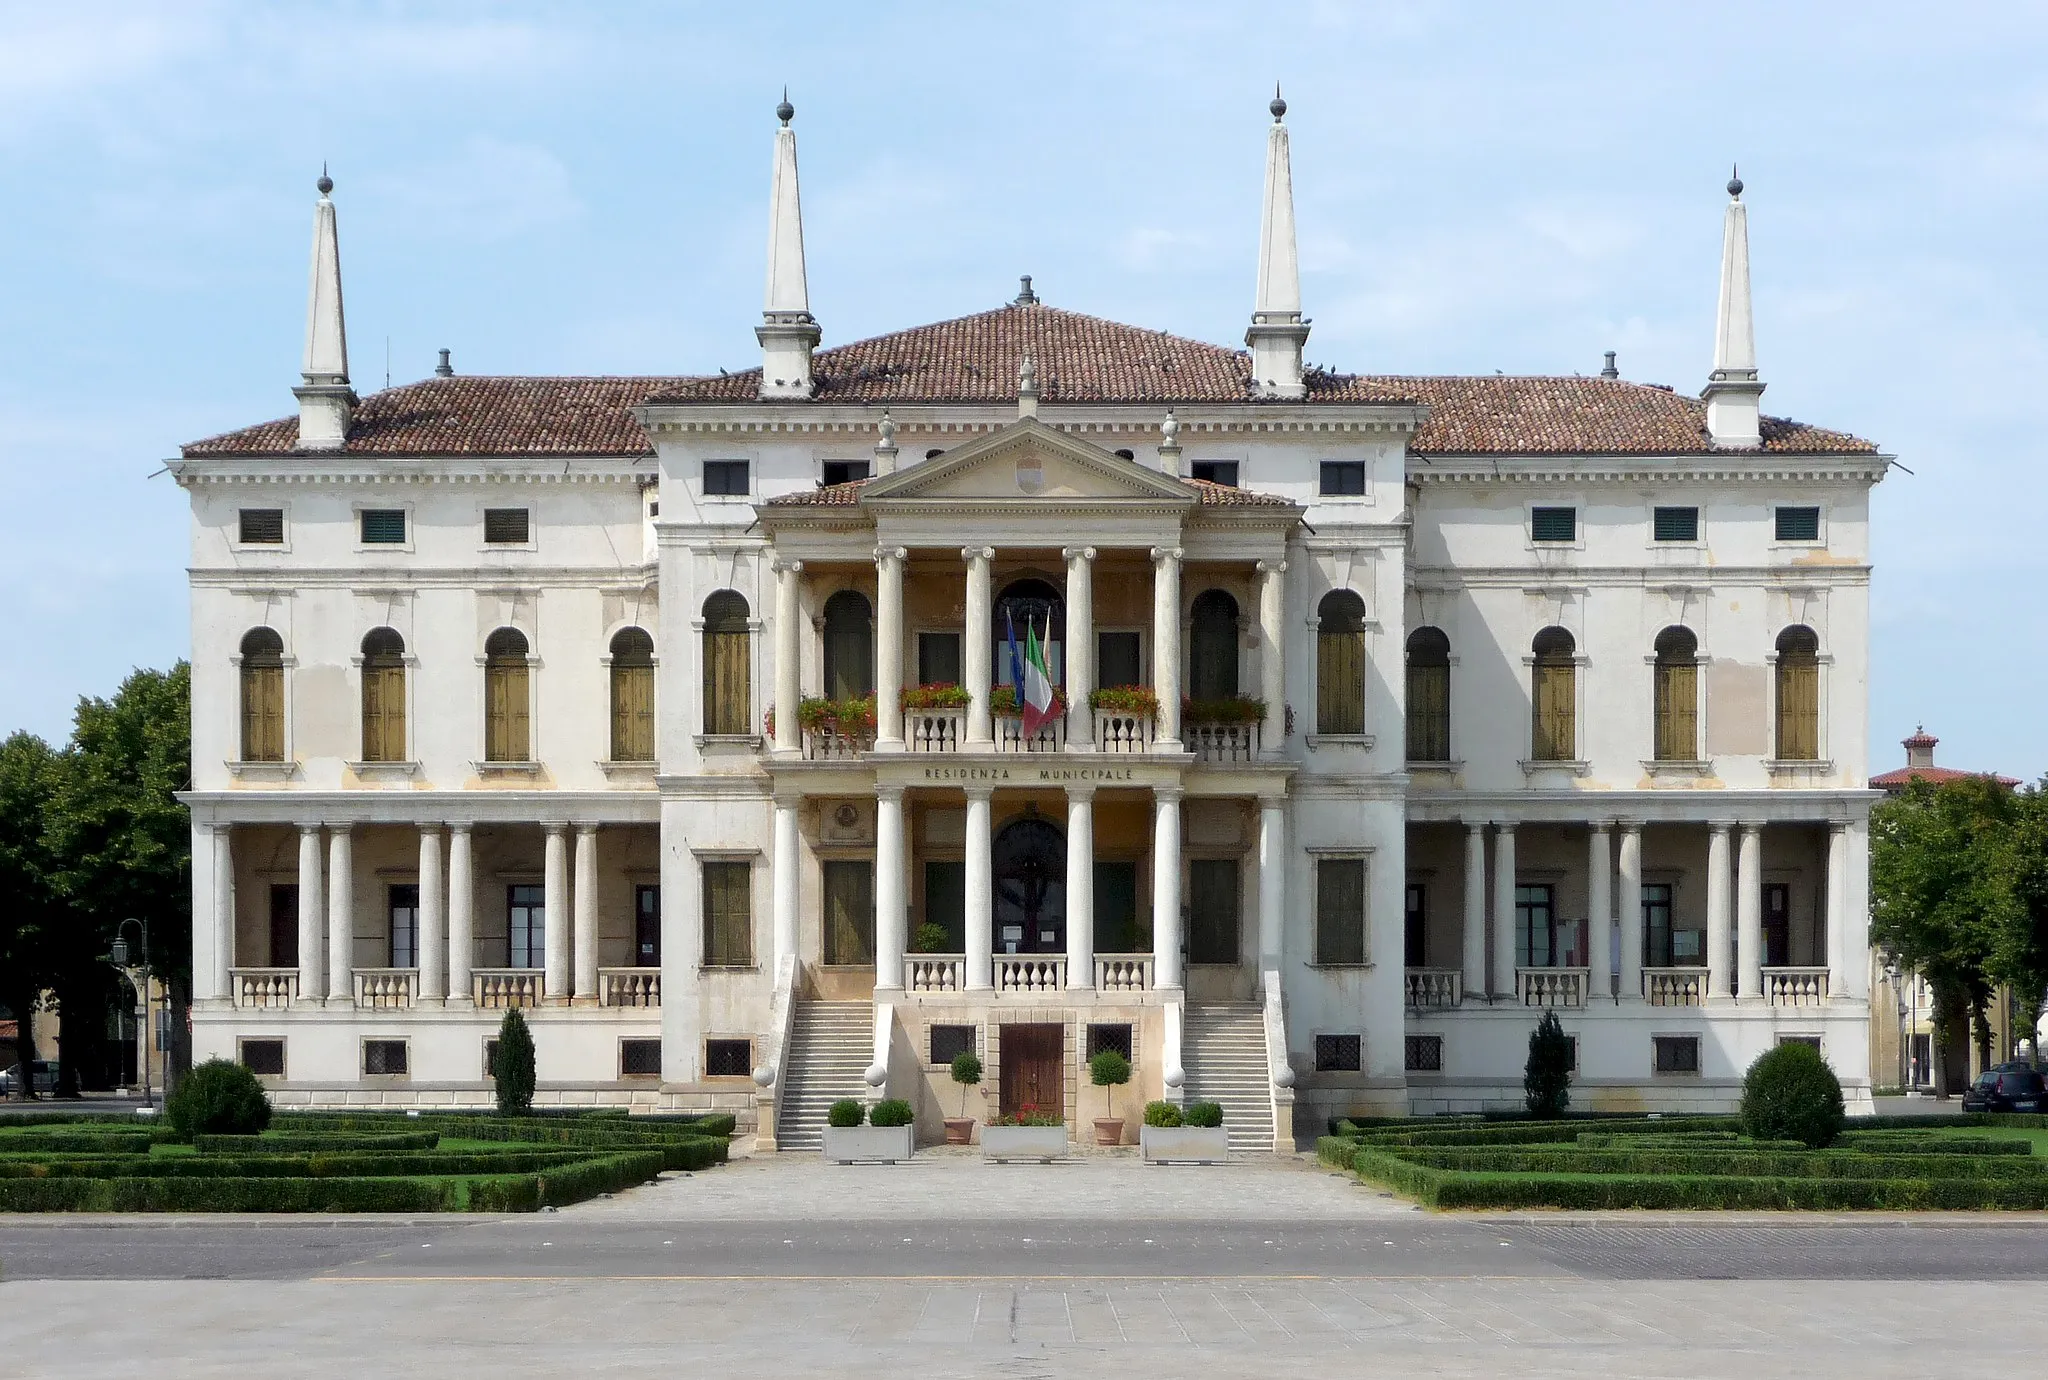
x=1028, y=460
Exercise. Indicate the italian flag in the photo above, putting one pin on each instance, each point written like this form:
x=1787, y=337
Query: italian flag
x=1035, y=694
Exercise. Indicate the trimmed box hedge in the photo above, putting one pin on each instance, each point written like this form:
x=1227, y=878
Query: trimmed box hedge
x=290, y=1142
x=75, y=1142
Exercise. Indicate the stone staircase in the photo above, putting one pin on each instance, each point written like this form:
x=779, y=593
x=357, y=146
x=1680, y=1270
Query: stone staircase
x=830, y=1044
x=1224, y=1056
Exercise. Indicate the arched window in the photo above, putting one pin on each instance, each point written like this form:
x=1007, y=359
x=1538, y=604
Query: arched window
x=1212, y=647
x=849, y=646
x=632, y=696
x=507, y=726
x=1429, y=696
x=262, y=696
x=1026, y=605
x=1798, y=695
x=728, y=666
x=1554, y=697
x=1340, y=663
x=1677, y=696
x=383, y=696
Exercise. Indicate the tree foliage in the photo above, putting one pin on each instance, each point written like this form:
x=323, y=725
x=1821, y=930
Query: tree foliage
x=31, y=912
x=512, y=1066
x=1790, y=1093
x=1547, y=1077
x=219, y=1097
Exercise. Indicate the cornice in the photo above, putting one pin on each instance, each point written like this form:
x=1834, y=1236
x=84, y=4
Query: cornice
x=285, y=578
x=342, y=469
x=1435, y=578
x=1658, y=470
x=675, y=420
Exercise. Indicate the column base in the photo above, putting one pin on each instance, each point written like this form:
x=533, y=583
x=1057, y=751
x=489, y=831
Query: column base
x=466, y=999
x=583, y=999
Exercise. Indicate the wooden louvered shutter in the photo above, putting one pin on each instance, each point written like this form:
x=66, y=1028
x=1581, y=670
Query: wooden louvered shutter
x=632, y=713
x=1340, y=682
x=1677, y=708
x=262, y=713
x=728, y=915
x=505, y=726
x=1554, y=739
x=1429, y=713
x=728, y=690
x=1798, y=709
x=383, y=713
x=517, y=730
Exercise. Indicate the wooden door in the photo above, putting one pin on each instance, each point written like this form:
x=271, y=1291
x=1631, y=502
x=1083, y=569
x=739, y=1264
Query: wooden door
x=1034, y=1060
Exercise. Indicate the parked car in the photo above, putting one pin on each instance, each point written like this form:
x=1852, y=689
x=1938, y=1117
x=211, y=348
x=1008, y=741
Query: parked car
x=44, y=1078
x=2006, y=1090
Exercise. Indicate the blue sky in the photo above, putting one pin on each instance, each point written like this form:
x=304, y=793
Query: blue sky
x=582, y=189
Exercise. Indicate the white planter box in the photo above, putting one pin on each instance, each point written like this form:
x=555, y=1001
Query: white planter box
x=845, y=1144
x=1183, y=1144
x=1023, y=1142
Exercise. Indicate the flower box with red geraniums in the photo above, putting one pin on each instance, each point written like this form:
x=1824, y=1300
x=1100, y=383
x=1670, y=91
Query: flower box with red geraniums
x=944, y=696
x=1232, y=709
x=1139, y=700
x=1004, y=703
x=851, y=718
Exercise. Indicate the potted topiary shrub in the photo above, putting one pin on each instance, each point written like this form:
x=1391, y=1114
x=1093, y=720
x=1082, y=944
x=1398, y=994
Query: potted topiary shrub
x=1547, y=1078
x=967, y=1073
x=1109, y=1069
x=889, y=1136
x=1029, y=1134
x=1790, y=1093
x=1195, y=1135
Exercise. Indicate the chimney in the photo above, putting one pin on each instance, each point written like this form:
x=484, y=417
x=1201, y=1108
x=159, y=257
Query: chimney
x=1607, y=370
x=444, y=370
x=1920, y=748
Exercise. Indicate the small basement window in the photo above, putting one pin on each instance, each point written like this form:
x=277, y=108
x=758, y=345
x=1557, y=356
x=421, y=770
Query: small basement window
x=728, y=1058
x=1553, y=524
x=949, y=1042
x=725, y=478
x=507, y=526
x=844, y=471
x=639, y=1058
x=1115, y=1036
x=264, y=1058
x=385, y=1058
x=1798, y=524
x=1337, y=1054
x=262, y=526
x=383, y=526
x=1677, y=1053
x=1425, y=1054
x=1343, y=478
x=490, y=1058
x=1675, y=524
x=1222, y=472
x=1812, y=1042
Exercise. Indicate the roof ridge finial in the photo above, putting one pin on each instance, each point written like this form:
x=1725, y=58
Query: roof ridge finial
x=1278, y=106
x=326, y=183
x=1027, y=386
x=1169, y=445
x=785, y=112
x=1735, y=181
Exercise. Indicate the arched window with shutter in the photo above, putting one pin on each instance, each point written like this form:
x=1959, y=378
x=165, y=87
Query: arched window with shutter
x=632, y=696
x=262, y=696
x=1429, y=696
x=1554, y=697
x=849, y=646
x=1340, y=663
x=728, y=666
x=1212, y=646
x=383, y=696
x=1677, y=696
x=507, y=725
x=1798, y=695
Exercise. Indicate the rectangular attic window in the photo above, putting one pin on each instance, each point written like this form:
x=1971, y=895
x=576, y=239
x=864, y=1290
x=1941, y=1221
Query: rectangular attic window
x=1553, y=524
x=1222, y=472
x=725, y=478
x=507, y=526
x=1798, y=524
x=1343, y=478
x=1676, y=524
x=383, y=526
x=262, y=526
x=843, y=471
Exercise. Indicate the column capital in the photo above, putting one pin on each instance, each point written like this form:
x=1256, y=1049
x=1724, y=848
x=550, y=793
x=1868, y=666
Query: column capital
x=310, y=829
x=1473, y=826
x=1169, y=794
x=1601, y=826
x=1752, y=826
x=1722, y=827
x=431, y=827
x=1161, y=555
x=1838, y=827
x=1083, y=790
x=1272, y=567
x=1631, y=827
x=971, y=554
x=1077, y=553
x=461, y=826
x=586, y=831
x=787, y=799
x=889, y=791
x=342, y=827
x=788, y=567
x=978, y=791
x=1504, y=826
x=1273, y=800
x=556, y=828
x=891, y=553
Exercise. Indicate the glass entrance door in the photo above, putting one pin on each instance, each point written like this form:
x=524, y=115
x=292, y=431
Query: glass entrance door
x=1031, y=888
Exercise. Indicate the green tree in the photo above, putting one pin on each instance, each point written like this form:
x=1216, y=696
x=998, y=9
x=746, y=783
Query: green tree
x=1547, y=1077
x=31, y=915
x=2019, y=954
x=1941, y=869
x=512, y=1065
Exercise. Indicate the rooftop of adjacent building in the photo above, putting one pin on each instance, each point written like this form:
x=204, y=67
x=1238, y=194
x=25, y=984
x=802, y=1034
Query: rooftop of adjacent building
x=1920, y=766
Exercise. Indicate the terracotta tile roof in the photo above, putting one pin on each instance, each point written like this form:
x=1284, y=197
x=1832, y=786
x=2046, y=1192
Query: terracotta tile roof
x=847, y=494
x=1901, y=777
x=1080, y=359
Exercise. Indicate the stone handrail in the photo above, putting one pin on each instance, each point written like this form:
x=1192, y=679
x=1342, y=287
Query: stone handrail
x=629, y=986
x=1119, y=730
x=1031, y=972
x=386, y=989
x=263, y=986
x=885, y=1030
x=935, y=972
x=1123, y=972
x=1551, y=986
x=1434, y=987
x=1222, y=742
x=1173, y=1072
x=1674, y=986
x=1009, y=732
x=1795, y=986
x=502, y=987
x=934, y=730
x=768, y=1075
x=1279, y=1067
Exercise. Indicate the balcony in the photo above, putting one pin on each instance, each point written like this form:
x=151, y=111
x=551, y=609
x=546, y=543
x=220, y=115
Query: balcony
x=1118, y=730
x=1560, y=987
x=503, y=987
x=629, y=986
x=1674, y=986
x=934, y=730
x=827, y=742
x=261, y=987
x=1223, y=742
x=1795, y=986
x=1011, y=737
x=1434, y=988
x=1027, y=972
x=386, y=989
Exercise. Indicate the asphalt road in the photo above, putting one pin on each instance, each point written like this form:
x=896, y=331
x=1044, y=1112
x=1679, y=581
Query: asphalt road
x=550, y=1247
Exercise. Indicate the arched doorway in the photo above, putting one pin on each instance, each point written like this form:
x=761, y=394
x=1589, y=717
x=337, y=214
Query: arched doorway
x=1030, y=865
x=1024, y=605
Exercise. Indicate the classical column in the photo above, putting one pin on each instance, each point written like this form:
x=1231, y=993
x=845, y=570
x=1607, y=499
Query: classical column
x=788, y=655
x=1719, y=957
x=1474, y=937
x=1166, y=645
x=980, y=645
x=1838, y=907
x=433, y=931
x=1504, y=912
x=223, y=916
x=1599, y=912
x=1629, y=905
x=891, y=908
x=979, y=884
x=461, y=915
x=341, y=916
x=586, y=992
x=1166, y=966
x=1080, y=885
x=1273, y=655
x=1272, y=881
x=788, y=877
x=312, y=915
x=1855, y=970
x=1080, y=656
x=1749, y=912
x=554, y=941
x=889, y=647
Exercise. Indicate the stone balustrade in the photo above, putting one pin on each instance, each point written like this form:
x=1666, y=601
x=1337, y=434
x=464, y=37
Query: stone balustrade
x=827, y=743
x=1432, y=988
x=1011, y=737
x=1122, y=731
x=629, y=986
x=263, y=986
x=1551, y=986
x=386, y=989
x=1674, y=986
x=1123, y=972
x=1795, y=986
x=935, y=972
x=934, y=730
x=1222, y=742
x=1031, y=972
x=501, y=987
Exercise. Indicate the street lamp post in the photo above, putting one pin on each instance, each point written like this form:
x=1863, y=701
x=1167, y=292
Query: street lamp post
x=137, y=974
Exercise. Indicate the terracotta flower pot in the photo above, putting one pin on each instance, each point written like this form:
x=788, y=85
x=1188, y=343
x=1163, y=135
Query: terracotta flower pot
x=959, y=1130
x=1109, y=1130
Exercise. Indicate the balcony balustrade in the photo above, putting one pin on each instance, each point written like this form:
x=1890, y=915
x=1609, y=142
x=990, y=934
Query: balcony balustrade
x=1795, y=986
x=1031, y=972
x=1011, y=737
x=386, y=989
x=934, y=730
x=263, y=986
x=1223, y=742
x=826, y=743
x=1551, y=986
x=935, y=972
x=1674, y=986
x=1433, y=988
x=1123, y=972
x=502, y=987
x=629, y=986
x=1120, y=731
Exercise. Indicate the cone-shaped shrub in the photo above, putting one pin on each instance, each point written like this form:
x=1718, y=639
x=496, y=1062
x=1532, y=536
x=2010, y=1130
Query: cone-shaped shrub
x=512, y=1065
x=1547, y=1078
